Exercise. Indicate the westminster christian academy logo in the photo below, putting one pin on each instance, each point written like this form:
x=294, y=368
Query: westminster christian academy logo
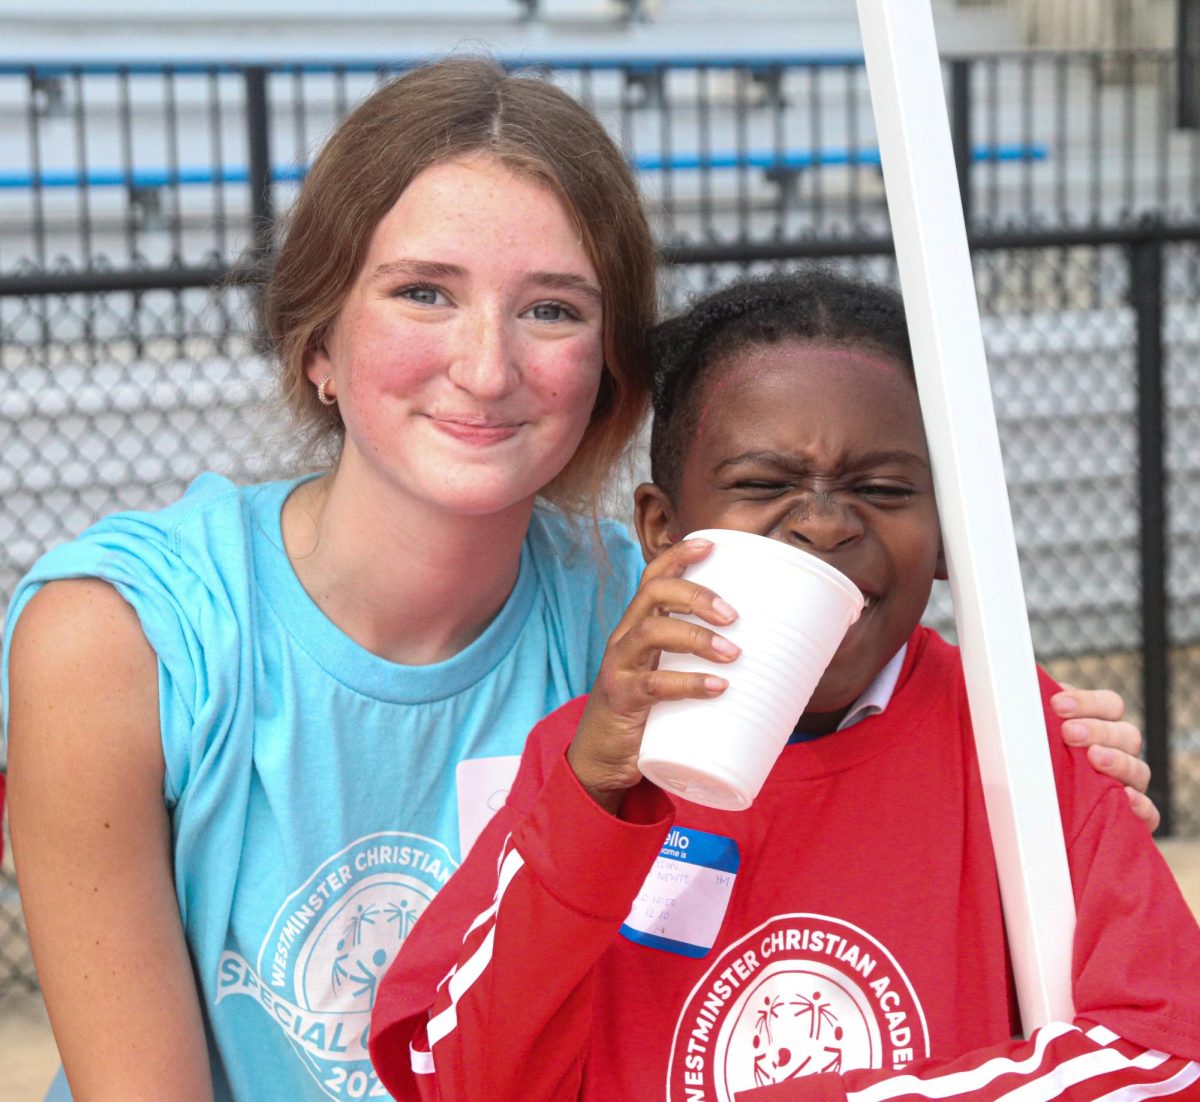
x=799, y=995
x=320, y=965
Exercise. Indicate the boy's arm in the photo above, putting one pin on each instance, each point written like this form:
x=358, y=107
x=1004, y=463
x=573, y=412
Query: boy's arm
x=490, y=997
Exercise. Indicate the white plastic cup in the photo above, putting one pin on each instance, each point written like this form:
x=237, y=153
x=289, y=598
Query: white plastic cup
x=793, y=612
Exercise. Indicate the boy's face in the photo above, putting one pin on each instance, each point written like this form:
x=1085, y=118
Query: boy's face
x=821, y=447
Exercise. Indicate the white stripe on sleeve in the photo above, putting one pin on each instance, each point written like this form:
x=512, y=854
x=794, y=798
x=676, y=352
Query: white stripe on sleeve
x=1135, y=1092
x=461, y=979
x=1048, y=1084
x=422, y=1062
x=963, y=1082
x=1079, y=1069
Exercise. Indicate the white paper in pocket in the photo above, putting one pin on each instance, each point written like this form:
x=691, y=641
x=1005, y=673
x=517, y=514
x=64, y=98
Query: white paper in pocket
x=483, y=785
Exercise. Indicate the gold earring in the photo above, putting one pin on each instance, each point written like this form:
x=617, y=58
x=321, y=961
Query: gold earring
x=323, y=396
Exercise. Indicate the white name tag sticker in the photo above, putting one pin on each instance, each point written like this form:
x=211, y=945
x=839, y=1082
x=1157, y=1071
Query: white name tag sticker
x=683, y=900
x=483, y=786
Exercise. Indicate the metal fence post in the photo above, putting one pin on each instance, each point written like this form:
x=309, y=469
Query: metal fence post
x=1146, y=293
x=258, y=139
x=960, y=129
x=1187, y=53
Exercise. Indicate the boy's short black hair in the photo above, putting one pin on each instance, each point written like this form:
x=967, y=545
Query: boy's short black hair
x=814, y=304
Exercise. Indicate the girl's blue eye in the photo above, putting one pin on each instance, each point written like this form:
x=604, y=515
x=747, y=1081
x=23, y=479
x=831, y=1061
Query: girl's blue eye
x=421, y=293
x=551, y=311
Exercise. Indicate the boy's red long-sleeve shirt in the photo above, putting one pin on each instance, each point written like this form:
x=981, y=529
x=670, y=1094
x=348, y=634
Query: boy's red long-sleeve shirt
x=843, y=937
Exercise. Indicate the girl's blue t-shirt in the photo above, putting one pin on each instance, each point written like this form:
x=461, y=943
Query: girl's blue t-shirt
x=316, y=791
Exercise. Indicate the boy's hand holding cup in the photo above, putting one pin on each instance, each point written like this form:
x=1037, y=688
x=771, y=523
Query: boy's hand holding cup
x=604, y=751
x=701, y=713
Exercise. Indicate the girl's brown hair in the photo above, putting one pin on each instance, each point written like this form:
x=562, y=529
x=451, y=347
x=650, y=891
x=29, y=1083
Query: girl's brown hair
x=455, y=108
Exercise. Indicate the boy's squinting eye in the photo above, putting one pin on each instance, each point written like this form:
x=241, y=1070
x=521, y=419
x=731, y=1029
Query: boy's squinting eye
x=885, y=492
x=761, y=486
x=552, y=311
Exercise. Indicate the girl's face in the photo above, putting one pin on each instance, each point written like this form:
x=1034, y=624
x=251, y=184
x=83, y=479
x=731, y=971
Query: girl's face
x=821, y=447
x=467, y=356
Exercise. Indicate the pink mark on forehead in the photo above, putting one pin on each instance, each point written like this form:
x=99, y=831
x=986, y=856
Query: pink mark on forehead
x=868, y=357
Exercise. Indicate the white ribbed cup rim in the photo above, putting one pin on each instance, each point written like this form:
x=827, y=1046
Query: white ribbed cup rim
x=786, y=553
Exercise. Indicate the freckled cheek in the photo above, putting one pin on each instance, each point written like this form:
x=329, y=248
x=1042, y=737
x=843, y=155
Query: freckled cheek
x=567, y=382
x=395, y=364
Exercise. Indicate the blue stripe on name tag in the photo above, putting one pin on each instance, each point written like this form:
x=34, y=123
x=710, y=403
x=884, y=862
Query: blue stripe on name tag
x=698, y=847
x=655, y=941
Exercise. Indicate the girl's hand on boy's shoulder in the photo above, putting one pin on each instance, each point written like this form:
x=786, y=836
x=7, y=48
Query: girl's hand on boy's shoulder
x=604, y=751
x=1094, y=720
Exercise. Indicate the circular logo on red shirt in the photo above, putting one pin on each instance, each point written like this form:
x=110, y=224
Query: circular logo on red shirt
x=799, y=995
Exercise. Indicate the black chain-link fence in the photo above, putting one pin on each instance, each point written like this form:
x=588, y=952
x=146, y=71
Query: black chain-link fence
x=128, y=354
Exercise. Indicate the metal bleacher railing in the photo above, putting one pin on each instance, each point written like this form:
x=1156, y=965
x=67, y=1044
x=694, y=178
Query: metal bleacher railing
x=788, y=160
x=137, y=204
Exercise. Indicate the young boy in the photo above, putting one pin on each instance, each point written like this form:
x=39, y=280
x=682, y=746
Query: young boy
x=843, y=937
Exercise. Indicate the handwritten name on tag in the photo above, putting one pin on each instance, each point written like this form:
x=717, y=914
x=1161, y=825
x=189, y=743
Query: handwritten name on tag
x=683, y=900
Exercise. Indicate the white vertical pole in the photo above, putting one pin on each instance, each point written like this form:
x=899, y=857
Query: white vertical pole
x=905, y=78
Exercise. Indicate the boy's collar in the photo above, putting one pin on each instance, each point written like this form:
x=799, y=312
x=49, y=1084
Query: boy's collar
x=873, y=700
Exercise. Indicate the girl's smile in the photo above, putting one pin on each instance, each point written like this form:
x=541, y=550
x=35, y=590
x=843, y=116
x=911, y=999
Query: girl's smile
x=480, y=431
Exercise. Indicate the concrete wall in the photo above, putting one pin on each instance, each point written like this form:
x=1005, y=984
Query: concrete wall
x=124, y=29
x=1099, y=24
